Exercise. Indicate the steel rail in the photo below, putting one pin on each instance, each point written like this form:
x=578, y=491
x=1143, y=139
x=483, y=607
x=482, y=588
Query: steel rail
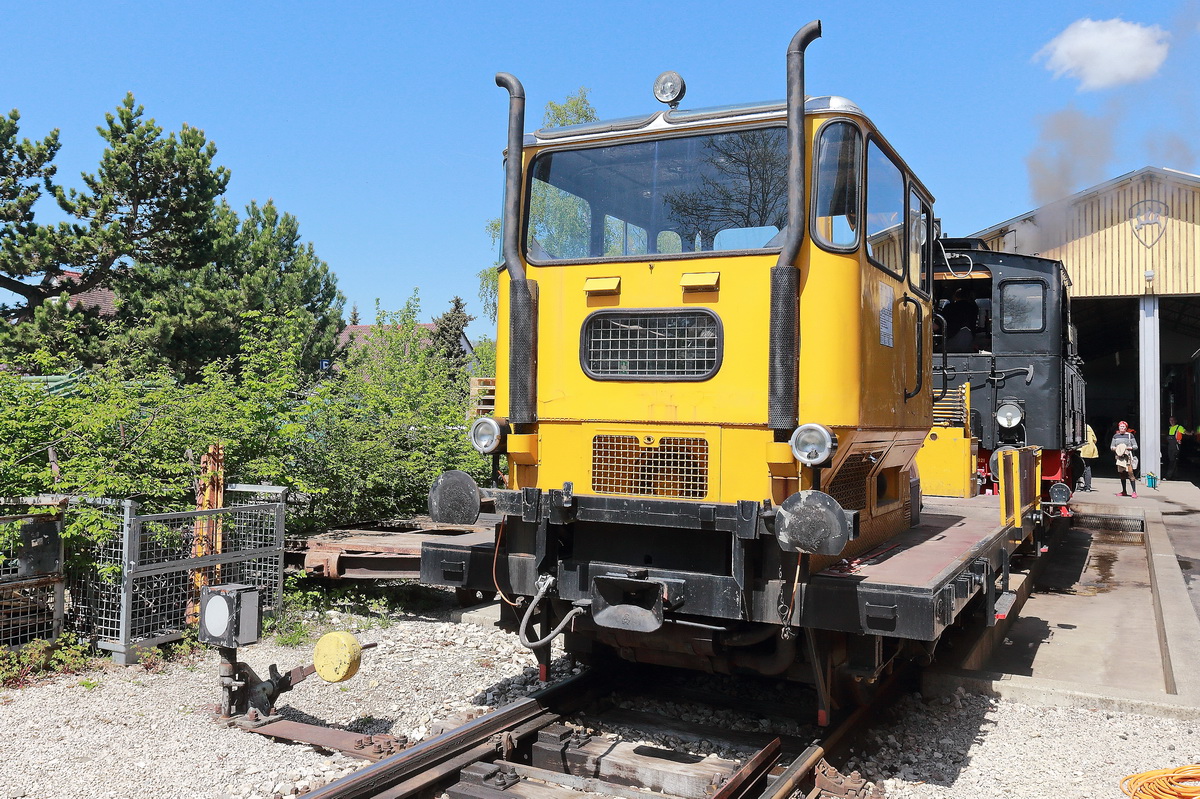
x=439, y=759
x=745, y=779
x=788, y=782
x=434, y=763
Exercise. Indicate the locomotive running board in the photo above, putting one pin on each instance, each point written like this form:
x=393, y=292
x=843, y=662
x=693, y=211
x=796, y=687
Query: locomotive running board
x=914, y=585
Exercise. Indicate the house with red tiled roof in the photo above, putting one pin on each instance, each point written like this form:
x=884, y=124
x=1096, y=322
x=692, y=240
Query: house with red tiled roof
x=104, y=300
x=356, y=335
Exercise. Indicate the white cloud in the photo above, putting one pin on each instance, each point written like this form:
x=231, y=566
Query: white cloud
x=1106, y=53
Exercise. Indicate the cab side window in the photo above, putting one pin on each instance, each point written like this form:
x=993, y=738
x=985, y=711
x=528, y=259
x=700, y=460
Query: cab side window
x=837, y=195
x=920, y=253
x=1022, y=306
x=885, y=211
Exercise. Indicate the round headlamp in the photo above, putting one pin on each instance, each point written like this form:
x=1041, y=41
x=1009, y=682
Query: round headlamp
x=486, y=435
x=1009, y=414
x=813, y=444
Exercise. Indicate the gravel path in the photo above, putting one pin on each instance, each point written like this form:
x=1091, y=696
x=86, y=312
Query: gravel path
x=126, y=732
x=977, y=748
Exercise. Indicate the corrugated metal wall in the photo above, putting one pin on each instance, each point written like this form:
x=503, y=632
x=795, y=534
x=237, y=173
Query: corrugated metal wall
x=1103, y=253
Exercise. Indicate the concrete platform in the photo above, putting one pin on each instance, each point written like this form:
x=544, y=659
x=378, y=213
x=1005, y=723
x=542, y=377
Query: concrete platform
x=1110, y=620
x=486, y=614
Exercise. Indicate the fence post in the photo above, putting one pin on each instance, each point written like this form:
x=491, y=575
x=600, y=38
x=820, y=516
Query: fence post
x=280, y=508
x=206, y=532
x=131, y=539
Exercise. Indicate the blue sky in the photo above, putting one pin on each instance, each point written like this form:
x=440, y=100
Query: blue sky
x=378, y=125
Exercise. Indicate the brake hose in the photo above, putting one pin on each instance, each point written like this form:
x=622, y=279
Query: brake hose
x=544, y=584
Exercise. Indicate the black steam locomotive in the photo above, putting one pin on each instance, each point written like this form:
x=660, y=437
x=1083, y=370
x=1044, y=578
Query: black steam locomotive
x=1006, y=330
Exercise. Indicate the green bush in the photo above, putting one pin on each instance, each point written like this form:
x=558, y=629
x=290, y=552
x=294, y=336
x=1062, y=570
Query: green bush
x=40, y=658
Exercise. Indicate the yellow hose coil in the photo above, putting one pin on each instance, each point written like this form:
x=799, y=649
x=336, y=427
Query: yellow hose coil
x=1164, y=783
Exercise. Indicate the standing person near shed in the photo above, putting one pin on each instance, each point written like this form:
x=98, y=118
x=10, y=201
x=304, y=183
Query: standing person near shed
x=1088, y=453
x=1124, y=447
x=1175, y=433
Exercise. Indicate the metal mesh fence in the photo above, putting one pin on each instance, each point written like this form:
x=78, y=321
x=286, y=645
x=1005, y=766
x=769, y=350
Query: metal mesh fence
x=136, y=587
x=8, y=559
x=10, y=542
x=31, y=575
x=29, y=612
x=240, y=494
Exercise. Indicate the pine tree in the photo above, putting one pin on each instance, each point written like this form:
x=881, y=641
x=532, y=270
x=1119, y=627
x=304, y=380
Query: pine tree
x=26, y=168
x=150, y=202
x=187, y=318
x=449, y=333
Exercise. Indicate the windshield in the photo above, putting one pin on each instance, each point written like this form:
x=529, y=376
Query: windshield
x=715, y=192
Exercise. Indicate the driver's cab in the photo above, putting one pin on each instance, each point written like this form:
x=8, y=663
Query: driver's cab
x=962, y=298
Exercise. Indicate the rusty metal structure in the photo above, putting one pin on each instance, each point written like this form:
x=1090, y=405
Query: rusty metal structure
x=384, y=550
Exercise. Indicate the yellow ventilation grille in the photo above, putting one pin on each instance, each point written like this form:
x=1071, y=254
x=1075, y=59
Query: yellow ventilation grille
x=677, y=467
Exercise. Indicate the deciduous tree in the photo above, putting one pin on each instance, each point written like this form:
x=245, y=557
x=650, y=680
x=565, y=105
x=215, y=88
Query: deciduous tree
x=575, y=109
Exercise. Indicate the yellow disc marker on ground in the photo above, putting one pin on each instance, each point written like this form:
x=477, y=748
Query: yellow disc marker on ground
x=337, y=656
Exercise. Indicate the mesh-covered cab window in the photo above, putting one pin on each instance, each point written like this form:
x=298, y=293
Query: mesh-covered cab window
x=651, y=345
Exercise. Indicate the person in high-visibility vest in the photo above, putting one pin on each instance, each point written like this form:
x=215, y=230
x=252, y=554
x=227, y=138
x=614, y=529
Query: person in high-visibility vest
x=1175, y=433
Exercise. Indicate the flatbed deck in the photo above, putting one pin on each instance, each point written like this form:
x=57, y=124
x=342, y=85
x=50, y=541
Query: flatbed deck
x=384, y=551
x=915, y=584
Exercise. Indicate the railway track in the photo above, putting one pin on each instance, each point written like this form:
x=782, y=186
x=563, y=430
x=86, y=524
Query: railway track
x=535, y=749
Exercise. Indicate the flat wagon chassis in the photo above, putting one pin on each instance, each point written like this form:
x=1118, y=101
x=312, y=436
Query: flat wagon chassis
x=912, y=587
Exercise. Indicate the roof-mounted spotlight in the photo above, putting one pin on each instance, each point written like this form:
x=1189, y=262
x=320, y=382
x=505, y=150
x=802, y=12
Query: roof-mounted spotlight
x=669, y=88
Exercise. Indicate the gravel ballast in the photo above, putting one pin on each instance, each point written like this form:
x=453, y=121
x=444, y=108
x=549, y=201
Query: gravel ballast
x=978, y=747
x=127, y=732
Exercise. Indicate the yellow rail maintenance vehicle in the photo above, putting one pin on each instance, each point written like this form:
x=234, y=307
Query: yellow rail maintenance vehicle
x=714, y=359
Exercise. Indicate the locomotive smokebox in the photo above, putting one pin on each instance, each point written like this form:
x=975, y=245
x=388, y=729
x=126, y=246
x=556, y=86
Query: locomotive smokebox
x=812, y=522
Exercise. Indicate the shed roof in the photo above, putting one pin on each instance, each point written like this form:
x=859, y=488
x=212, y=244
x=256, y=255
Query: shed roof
x=1146, y=171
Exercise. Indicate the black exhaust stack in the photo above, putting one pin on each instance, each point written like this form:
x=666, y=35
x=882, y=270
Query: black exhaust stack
x=522, y=321
x=783, y=390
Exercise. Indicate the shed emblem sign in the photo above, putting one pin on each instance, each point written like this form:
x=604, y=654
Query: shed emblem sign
x=1147, y=218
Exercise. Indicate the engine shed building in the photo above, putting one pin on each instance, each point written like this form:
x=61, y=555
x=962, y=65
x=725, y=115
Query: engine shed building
x=1131, y=246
